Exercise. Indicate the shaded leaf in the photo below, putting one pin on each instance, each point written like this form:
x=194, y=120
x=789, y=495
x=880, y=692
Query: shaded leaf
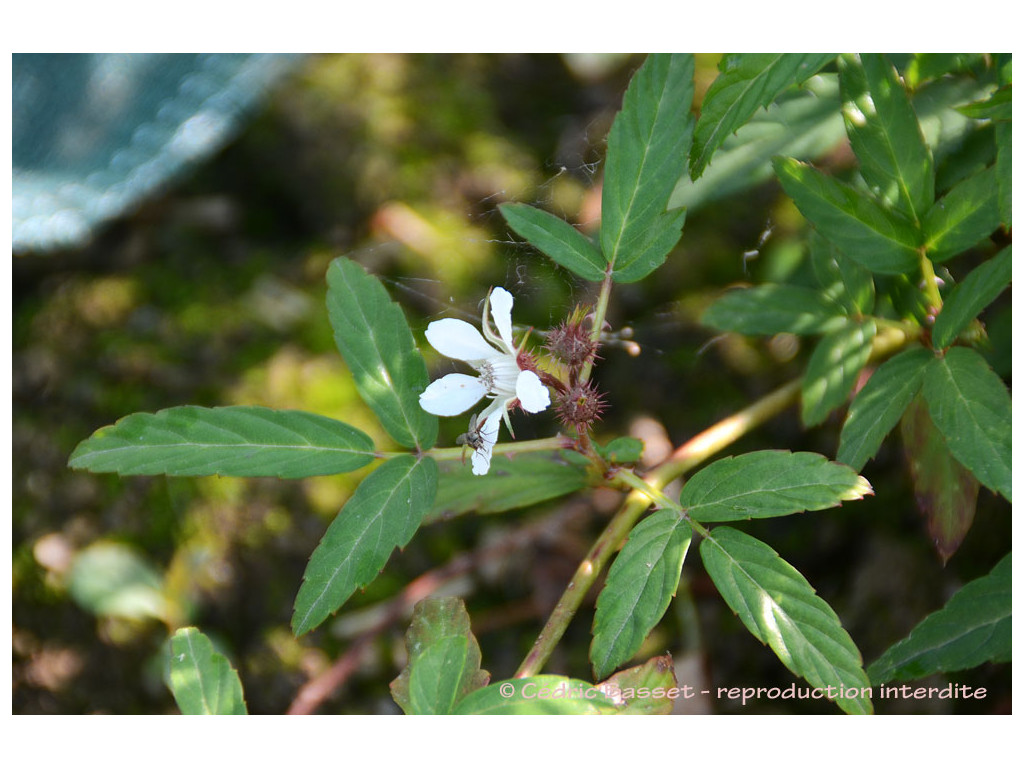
x=644, y=690
x=1004, y=172
x=556, y=239
x=968, y=298
x=639, y=587
x=946, y=493
x=540, y=695
x=972, y=628
x=998, y=106
x=878, y=406
x=239, y=441
x=779, y=608
x=112, y=579
x=444, y=659
x=374, y=338
x=202, y=680
x=970, y=405
x=965, y=216
x=621, y=450
x=770, y=309
x=769, y=484
x=747, y=82
x=842, y=279
x=647, y=151
x=880, y=239
x=835, y=364
x=383, y=513
x=885, y=134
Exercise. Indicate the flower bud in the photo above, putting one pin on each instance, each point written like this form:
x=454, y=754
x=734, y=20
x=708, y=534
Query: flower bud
x=580, y=405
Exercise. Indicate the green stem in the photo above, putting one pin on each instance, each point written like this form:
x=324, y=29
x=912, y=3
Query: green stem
x=600, y=310
x=930, y=286
x=525, y=446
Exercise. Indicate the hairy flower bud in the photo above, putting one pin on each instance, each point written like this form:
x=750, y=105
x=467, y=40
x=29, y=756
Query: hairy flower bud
x=580, y=405
x=570, y=342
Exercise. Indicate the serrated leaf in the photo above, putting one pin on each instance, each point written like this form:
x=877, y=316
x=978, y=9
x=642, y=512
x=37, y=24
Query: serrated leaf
x=968, y=298
x=946, y=493
x=747, y=82
x=647, y=150
x=804, y=124
x=202, y=680
x=556, y=239
x=843, y=280
x=880, y=239
x=644, y=689
x=377, y=345
x=878, y=406
x=779, y=608
x=885, y=134
x=832, y=371
x=770, y=309
x=444, y=659
x=970, y=405
x=640, y=585
x=511, y=483
x=1004, y=172
x=769, y=484
x=383, y=513
x=539, y=695
x=239, y=441
x=972, y=628
x=965, y=216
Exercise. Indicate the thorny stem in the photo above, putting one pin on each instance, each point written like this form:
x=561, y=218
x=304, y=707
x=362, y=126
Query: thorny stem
x=689, y=455
x=600, y=310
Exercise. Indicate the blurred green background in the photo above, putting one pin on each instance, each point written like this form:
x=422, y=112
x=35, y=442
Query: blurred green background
x=210, y=292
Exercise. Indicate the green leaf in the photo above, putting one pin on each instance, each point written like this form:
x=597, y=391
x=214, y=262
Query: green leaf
x=1004, y=172
x=779, y=608
x=968, y=214
x=383, y=513
x=771, y=309
x=804, y=124
x=946, y=493
x=998, y=106
x=512, y=483
x=885, y=134
x=202, y=680
x=644, y=689
x=621, y=450
x=833, y=369
x=647, y=150
x=972, y=628
x=769, y=484
x=844, y=280
x=640, y=585
x=111, y=579
x=239, y=441
x=878, y=406
x=444, y=659
x=880, y=239
x=556, y=239
x=540, y=695
x=970, y=405
x=748, y=81
x=966, y=301
x=374, y=338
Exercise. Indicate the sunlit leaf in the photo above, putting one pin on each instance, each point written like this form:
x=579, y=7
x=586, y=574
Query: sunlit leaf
x=946, y=493
x=969, y=297
x=647, y=151
x=239, y=441
x=878, y=406
x=747, y=82
x=832, y=371
x=842, y=279
x=540, y=695
x=970, y=405
x=444, y=659
x=646, y=689
x=972, y=628
x=769, y=484
x=866, y=231
x=779, y=608
x=640, y=585
x=202, y=680
x=557, y=239
x=770, y=309
x=112, y=579
x=383, y=513
x=374, y=338
x=965, y=216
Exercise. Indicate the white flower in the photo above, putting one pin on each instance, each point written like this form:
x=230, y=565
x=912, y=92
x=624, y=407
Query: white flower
x=496, y=360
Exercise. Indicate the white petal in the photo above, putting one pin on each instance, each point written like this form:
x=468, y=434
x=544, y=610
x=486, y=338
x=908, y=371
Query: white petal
x=532, y=394
x=489, y=435
x=458, y=340
x=501, y=311
x=452, y=394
